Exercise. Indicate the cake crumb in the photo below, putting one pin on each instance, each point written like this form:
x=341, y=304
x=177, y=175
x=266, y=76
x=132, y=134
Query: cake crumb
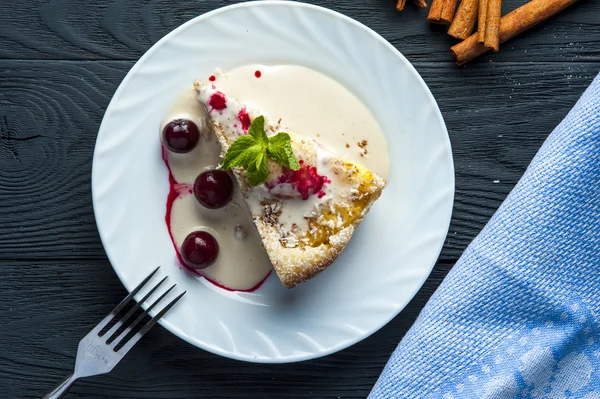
x=271, y=211
x=347, y=145
x=363, y=145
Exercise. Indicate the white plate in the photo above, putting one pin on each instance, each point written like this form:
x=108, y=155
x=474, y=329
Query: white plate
x=389, y=257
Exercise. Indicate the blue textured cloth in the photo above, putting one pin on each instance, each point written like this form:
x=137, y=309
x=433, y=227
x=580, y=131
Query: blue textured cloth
x=519, y=314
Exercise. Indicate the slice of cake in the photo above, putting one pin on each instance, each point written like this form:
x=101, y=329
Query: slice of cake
x=307, y=216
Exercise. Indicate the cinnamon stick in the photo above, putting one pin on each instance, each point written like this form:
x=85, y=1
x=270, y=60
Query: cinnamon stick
x=482, y=22
x=464, y=21
x=492, y=26
x=442, y=11
x=420, y=3
x=400, y=5
x=513, y=23
x=435, y=12
x=448, y=11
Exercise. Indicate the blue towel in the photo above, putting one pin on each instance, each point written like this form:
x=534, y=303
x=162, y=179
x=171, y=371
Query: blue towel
x=519, y=314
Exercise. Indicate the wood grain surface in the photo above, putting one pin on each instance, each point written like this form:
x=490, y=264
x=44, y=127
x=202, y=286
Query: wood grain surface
x=60, y=63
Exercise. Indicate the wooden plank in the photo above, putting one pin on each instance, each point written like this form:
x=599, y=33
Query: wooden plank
x=125, y=29
x=49, y=117
x=47, y=307
x=497, y=118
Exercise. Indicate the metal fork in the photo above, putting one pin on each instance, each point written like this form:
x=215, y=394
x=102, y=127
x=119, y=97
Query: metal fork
x=101, y=350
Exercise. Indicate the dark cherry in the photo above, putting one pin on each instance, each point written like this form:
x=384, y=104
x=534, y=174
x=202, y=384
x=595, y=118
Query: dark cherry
x=180, y=135
x=199, y=250
x=213, y=189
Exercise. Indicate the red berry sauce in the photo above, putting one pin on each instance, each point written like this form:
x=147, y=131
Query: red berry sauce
x=177, y=190
x=244, y=118
x=212, y=78
x=258, y=74
x=305, y=180
x=218, y=101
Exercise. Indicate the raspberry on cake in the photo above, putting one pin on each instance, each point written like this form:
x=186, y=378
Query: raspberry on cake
x=307, y=216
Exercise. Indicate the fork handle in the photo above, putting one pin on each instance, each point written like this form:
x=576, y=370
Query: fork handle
x=62, y=388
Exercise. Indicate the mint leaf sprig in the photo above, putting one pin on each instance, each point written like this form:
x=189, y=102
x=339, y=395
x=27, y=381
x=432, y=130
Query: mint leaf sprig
x=250, y=151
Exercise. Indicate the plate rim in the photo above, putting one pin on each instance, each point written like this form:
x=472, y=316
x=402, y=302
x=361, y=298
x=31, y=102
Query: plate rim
x=414, y=73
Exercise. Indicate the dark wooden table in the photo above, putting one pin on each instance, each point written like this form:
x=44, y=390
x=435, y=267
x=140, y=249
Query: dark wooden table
x=60, y=63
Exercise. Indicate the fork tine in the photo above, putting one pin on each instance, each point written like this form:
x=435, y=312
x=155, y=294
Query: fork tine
x=131, y=311
x=122, y=304
x=128, y=345
x=139, y=318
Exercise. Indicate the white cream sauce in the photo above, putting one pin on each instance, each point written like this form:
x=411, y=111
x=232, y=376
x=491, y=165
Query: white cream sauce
x=308, y=103
x=313, y=105
x=242, y=262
